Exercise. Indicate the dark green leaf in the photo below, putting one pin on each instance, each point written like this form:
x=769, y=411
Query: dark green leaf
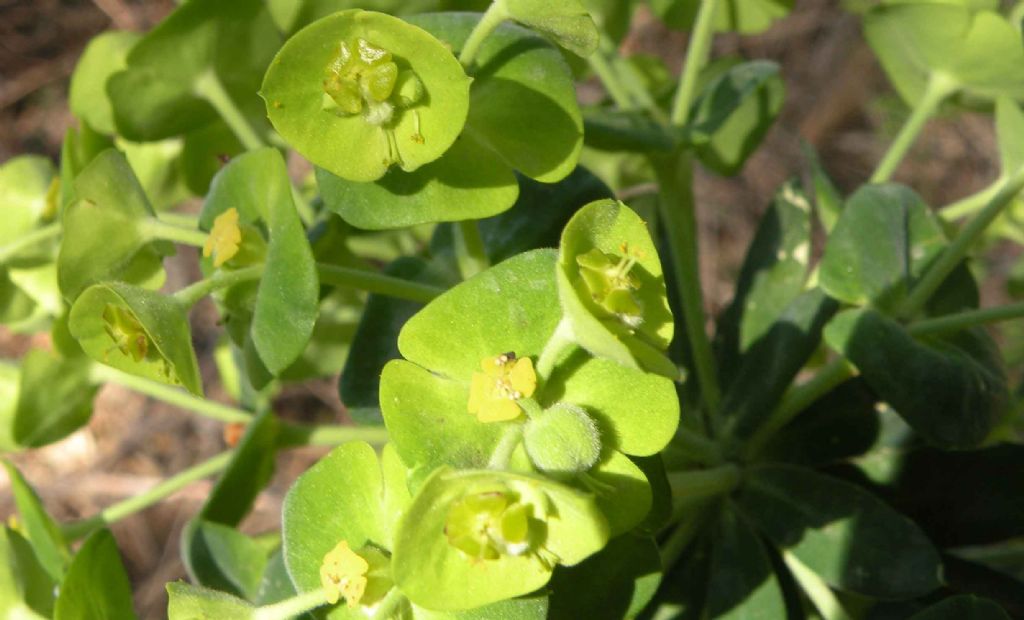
x=881, y=244
x=963, y=607
x=567, y=22
x=950, y=390
x=96, y=586
x=105, y=55
x=249, y=471
x=628, y=570
x=26, y=590
x=204, y=152
x=222, y=558
x=742, y=585
x=54, y=398
x=853, y=540
x=745, y=16
x=774, y=360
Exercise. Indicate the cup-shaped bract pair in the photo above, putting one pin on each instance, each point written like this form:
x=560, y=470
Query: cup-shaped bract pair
x=137, y=331
x=358, y=92
x=340, y=529
x=252, y=219
x=105, y=230
x=468, y=393
x=612, y=288
x=470, y=538
x=522, y=116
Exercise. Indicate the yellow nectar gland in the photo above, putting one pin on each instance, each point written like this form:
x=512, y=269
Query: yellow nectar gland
x=611, y=284
x=224, y=239
x=505, y=379
x=343, y=575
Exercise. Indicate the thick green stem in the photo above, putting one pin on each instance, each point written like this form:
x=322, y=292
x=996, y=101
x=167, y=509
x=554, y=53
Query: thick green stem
x=191, y=294
x=390, y=604
x=697, y=447
x=958, y=248
x=678, y=216
x=292, y=607
x=797, y=399
x=821, y=595
x=492, y=18
x=296, y=435
x=209, y=87
x=970, y=204
x=698, y=485
x=155, y=229
x=375, y=282
x=132, y=505
x=506, y=446
x=696, y=58
x=684, y=533
x=171, y=395
x=560, y=342
x=469, y=249
x=37, y=236
x=939, y=87
x=963, y=320
x=610, y=79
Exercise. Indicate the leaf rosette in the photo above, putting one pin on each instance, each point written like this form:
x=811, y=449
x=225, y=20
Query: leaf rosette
x=358, y=92
x=480, y=387
x=612, y=288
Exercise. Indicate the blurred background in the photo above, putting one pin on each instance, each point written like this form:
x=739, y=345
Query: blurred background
x=837, y=100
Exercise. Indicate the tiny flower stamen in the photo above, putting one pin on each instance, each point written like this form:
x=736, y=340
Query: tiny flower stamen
x=225, y=238
x=612, y=285
x=343, y=575
x=505, y=379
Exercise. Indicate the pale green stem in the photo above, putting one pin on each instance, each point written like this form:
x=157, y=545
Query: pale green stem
x=506, y=446
x=304, y=209
x=169, y=394
x=469, y=249
x=185, y=220
x=291, y=607
x=610, y=79
x=969, y=318
x=375, y=282
x=561, y=341
x=155, y=229
x=390, y=604
x=970, y=204
x=939, y=87
x=815, y=588
x=221, y=279
x=797, y=399
x=209, y=87
x=691, y=486
x=39, y=235
x=492, y=18
x=958, y=248
x=132, y=505
x=634, y=83
x=295, y=435
x=683, y=535
x=679, y=218
x=696, y=58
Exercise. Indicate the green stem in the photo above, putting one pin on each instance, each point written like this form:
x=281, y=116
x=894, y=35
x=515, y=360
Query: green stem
x=821, y=595
x=697, y=485
x=297, y=435
x=797, y=399
x=221, y=279
x=469, y=249
x=939, y=87
x=957, y=249
x=375, y=282
x=610, y=79
x=678, y=215
x=697, y=447
x=132, y=505
x=210, y=88
x=492, y=18
x=506, y=446
x=171, y=395
x=970, y=204
x=292, y=607
x=696, y=58
x=304, y=209
x=39, y=235
x=560, y=342
x=155, y=229
x=682, y=536
x=390, y=604
x=963, y=320
x=185, y=220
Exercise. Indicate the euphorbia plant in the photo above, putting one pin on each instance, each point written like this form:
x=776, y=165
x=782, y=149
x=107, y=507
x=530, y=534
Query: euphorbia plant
x=546, y=428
